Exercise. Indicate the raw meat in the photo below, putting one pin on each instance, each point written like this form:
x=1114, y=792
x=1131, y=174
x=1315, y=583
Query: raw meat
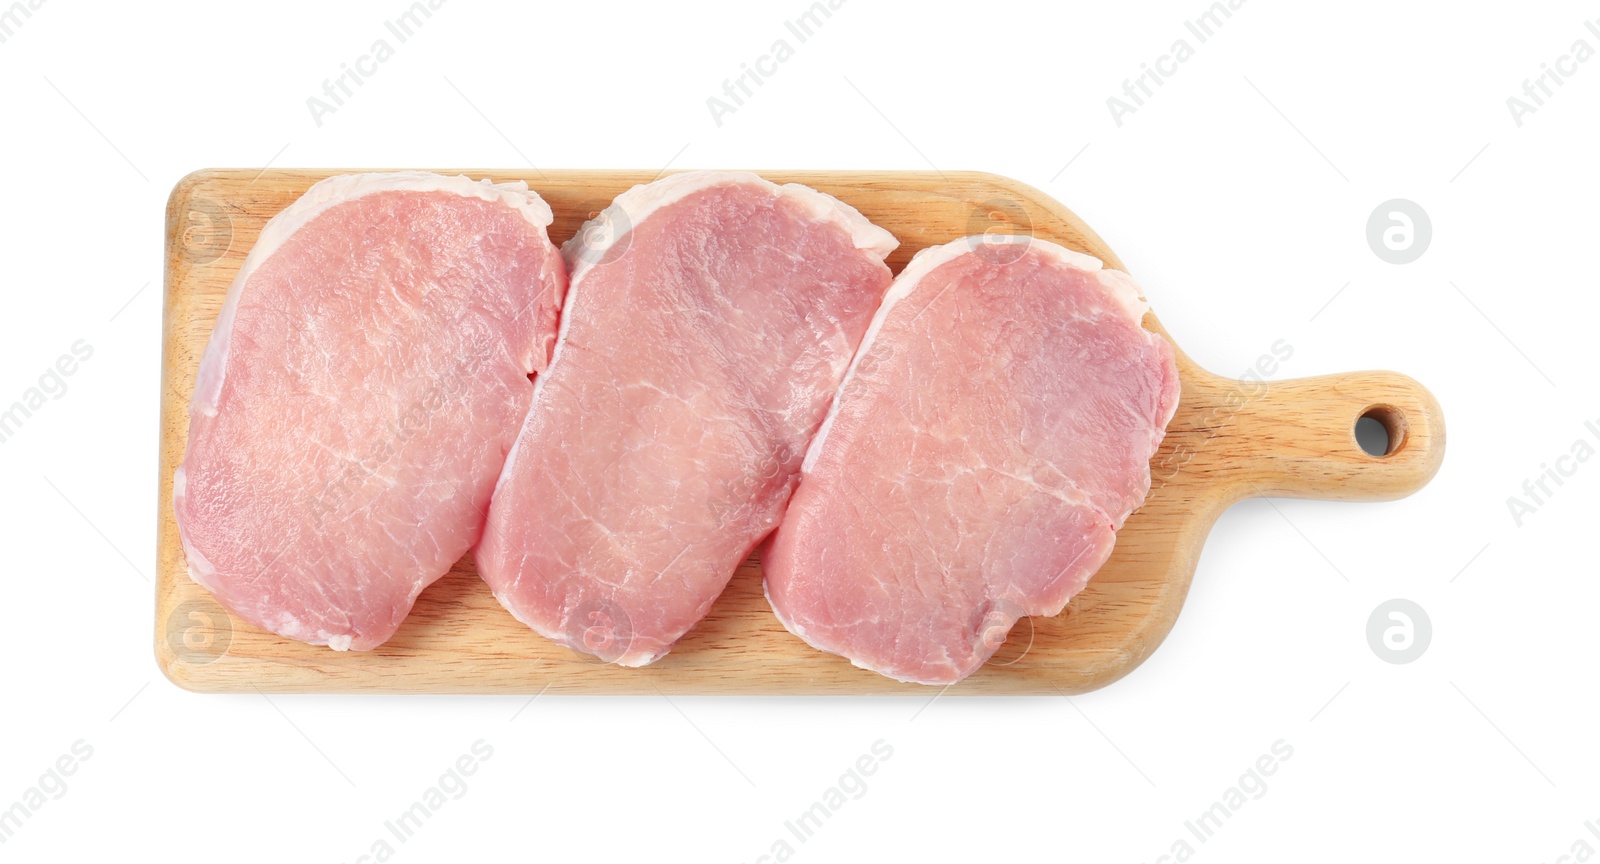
x=358, y=396
x=993, y=433
x=710, y=320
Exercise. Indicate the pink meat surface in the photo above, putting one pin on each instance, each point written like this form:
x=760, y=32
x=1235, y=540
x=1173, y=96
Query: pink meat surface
x=358, y=397
x=993, y=433
x=710, y=320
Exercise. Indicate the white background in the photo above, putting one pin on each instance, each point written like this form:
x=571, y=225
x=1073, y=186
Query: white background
x=1238, y=196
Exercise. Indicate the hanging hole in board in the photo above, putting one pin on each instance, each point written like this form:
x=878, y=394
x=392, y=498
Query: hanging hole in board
x=1380, y=430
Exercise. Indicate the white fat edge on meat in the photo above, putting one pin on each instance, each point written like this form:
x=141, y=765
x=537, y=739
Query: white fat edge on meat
x=560, y=637
x=321, y=197
x=638, y=203
x=199, y=567
x=598, y=235
x=798, y=629
x=1116, y=279
x=1118, y=285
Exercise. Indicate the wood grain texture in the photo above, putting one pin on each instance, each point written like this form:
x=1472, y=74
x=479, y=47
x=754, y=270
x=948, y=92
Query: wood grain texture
x=1229, y=440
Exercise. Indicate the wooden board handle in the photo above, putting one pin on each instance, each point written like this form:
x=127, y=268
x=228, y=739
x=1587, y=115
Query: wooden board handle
x=1297, y=438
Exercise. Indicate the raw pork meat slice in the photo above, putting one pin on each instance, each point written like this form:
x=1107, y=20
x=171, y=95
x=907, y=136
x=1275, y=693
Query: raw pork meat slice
x=359, y=394
x=710, y=320
x=993, y=433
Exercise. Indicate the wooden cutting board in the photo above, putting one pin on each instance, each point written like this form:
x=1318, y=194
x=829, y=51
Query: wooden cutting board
x=1230, y=440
